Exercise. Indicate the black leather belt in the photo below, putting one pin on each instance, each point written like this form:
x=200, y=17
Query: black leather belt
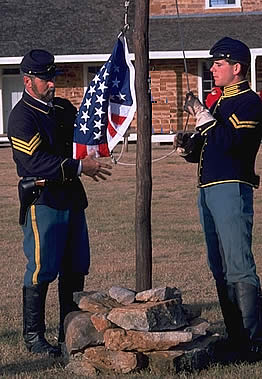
x=41, y=182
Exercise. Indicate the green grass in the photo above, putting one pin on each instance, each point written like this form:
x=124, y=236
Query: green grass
x=178, y=254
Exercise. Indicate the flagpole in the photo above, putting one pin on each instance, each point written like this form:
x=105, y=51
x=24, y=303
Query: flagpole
x=144, y=154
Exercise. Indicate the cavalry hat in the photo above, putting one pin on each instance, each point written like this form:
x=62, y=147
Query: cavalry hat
x=233, y=49
x=39, y=63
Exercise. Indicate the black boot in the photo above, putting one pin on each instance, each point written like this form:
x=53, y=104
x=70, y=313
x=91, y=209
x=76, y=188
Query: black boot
x=231, y=313
x=249, y=302
x=229, y=350
x=34, y=320
x=67, y=285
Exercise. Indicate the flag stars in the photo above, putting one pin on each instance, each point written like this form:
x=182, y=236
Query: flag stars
x=96, y=79
x=99, y=112
x=92, y=90
x=115, y=82
x=88, y=103
x=100, y=99
x=98, y=124
x=102, y=87
x=121, y=96
x=109, y=90
x=105, y=74
x=85, y=115
x=83, y=128
x=97, y=135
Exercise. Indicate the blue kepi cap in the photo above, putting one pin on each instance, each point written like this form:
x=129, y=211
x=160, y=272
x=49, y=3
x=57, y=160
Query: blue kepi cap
x=39, y=63
x=233, y=49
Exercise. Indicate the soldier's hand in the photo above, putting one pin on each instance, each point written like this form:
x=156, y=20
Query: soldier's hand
x=95, y=168
x=195, y=108
x=192, y=104
x=183, y=143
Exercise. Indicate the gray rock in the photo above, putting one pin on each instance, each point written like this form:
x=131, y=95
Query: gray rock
x=122, y=295
x=113, y=361
x=131, y=340
x=159, y=294
x=80, y=332
x=148, y=317
x=94, y=301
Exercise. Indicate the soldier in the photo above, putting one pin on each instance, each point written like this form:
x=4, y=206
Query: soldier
x=52, y=197
x=225, y=146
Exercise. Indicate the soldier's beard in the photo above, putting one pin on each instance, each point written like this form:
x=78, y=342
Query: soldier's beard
x=46, y=96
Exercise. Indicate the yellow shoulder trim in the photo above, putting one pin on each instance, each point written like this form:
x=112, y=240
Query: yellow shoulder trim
x=59, y=106
x=38, y=109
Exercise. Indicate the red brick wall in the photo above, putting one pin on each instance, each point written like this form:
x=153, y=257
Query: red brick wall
x=71, y=84
x=168, y=7
x=168, y=87
x=251, y=5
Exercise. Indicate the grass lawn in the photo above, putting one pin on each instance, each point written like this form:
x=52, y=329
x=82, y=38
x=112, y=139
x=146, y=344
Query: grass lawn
x=178, y=254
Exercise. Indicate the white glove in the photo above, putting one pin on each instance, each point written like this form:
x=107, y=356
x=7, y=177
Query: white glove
x=194, y=107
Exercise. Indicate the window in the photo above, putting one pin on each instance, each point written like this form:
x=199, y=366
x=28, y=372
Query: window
x=11, y=71
x=223, y=3
x=92, y=71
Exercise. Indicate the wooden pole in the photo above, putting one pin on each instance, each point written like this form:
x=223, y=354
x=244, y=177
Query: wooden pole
x=144, y=154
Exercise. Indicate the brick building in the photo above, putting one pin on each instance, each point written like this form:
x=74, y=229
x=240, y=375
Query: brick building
x=81, y=35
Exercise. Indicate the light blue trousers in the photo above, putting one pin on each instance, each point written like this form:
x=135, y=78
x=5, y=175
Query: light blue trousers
x=226, y=216
x=55, y=242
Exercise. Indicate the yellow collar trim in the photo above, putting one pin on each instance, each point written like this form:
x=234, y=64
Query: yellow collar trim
x=236, y=89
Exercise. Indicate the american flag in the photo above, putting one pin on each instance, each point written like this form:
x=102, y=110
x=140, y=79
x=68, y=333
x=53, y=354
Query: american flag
x=108, y=106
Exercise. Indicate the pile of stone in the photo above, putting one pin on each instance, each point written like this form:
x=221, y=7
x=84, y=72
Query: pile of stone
x=124, y=331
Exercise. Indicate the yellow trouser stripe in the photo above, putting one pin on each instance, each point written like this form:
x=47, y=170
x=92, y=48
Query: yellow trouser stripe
x=37, y=244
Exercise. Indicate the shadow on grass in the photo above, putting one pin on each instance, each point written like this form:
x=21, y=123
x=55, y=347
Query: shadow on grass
x=9, y=334
x=208, y=306
x=29, y=366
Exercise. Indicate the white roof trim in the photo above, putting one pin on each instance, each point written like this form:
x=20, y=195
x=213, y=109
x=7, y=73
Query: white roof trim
x=256, y=51
x=81, y=58
x=10, y=60
x=178, y=54
x=86, y=58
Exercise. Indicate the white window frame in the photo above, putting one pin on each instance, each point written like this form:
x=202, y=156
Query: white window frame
x=1, y=103
x=236, y=5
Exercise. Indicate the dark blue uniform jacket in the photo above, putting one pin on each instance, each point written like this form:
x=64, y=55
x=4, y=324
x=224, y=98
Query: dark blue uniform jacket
x=41, y=138
x=225, y=150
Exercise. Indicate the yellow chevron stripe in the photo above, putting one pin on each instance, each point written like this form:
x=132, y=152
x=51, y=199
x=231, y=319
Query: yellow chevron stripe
x=37, y=136
x=242, y=124
x=27, y=147
x=37, y=244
